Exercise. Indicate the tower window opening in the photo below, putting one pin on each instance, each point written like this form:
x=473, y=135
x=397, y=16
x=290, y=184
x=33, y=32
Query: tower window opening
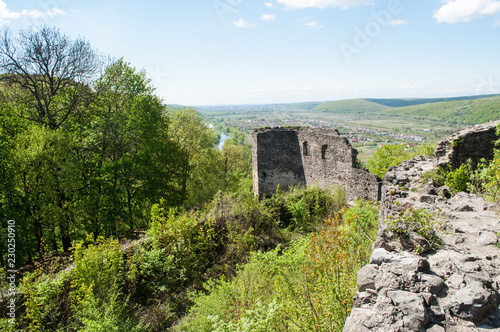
x=323, y=151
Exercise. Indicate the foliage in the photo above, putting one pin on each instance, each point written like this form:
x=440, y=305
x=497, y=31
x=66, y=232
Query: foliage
x=485, y=179
x=97, y=170
x=421, y=222
x=302, y=209
x=385, y=157
x=47, y=300
x=97, y=299
x=200, y=175
x=236, y=164
x=437, y=176
x=260, y=319
x=426, y=149
x=392, y=155
x=47, y=71
x=457, y=180
x=307, y=286
x=178, y=256
x=360, y=221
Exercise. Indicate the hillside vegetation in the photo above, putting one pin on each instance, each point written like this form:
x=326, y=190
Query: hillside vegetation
x=460, y=110
x=120, y=214
x=350, y=106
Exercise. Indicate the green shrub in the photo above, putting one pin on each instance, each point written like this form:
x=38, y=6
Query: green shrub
x=361, y=223
x=259, y=319
x=392, y=155
x=458, y=179
x=386, y=156
x=486, y=179
x=97, y=299
x=302, y=209
x=253, y=288
x=437, y=177
x=422, y=222
x=308, y=286
x=47, y=300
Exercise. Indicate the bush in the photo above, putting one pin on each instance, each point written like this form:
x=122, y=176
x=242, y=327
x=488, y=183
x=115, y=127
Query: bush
x=260, y=319
x=302, y=209
x=392, y=155
x=457, y=180
x=308, y=286
x=421, y=222
x=97, y=299
x=252, y=288
x=47, y=300
x=438, y=177
x=486, y=179
x=361, y=223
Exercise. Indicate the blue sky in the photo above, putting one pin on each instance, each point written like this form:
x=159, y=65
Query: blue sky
x=201, y=52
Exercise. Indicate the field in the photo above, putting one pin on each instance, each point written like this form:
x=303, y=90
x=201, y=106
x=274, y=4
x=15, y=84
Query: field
x=368, y=123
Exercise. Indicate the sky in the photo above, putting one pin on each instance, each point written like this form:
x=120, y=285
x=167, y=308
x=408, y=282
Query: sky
x=208, y=52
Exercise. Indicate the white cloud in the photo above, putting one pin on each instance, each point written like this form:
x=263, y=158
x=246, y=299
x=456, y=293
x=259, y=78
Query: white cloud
x=465, y=10
x=6, y=14
x=298, y=4
x=268, y=17
x=241, y=23
x=268, y=4
x=309, y=23
x=55, y=11
x=398, y=22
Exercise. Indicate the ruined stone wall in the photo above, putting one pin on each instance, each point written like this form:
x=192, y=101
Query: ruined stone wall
x=474, y=143
x=308, y=156
x=452, y=288
x=276, y=160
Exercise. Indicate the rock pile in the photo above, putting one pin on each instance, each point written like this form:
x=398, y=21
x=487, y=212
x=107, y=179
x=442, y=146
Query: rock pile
x=417, y=285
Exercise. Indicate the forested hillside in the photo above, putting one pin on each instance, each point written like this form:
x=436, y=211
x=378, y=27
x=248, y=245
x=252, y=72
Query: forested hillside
x=118, y=213
x=459, y=111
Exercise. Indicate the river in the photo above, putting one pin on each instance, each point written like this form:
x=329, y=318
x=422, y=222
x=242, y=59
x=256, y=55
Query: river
x=223, y=137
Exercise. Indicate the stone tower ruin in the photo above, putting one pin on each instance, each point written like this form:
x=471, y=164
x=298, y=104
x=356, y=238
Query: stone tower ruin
x=308, y=156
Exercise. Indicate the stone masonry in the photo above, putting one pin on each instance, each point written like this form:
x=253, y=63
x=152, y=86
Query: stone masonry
x=308, y=156
x=452, y=288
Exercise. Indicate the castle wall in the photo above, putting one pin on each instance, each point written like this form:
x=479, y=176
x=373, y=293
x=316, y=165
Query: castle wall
x=308, y=156
x=276, y=159
x=410, y=284
x=474, y=143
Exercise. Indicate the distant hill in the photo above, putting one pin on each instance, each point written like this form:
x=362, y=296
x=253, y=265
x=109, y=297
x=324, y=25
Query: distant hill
x=420, y=101
x=467, y=110
x=350, y=106
x=177, y=107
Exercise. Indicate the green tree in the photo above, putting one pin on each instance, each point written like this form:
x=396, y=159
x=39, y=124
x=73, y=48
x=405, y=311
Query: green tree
x=201, y=175
x=388, y=155
x=49, y=74
x=130, y=159
x=236, y=163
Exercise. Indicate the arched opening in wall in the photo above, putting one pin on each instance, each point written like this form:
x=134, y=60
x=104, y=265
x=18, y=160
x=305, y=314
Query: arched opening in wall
x=305, y=152
x=323, y=151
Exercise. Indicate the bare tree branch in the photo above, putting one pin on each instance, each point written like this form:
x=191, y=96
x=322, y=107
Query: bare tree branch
x=46, y=65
